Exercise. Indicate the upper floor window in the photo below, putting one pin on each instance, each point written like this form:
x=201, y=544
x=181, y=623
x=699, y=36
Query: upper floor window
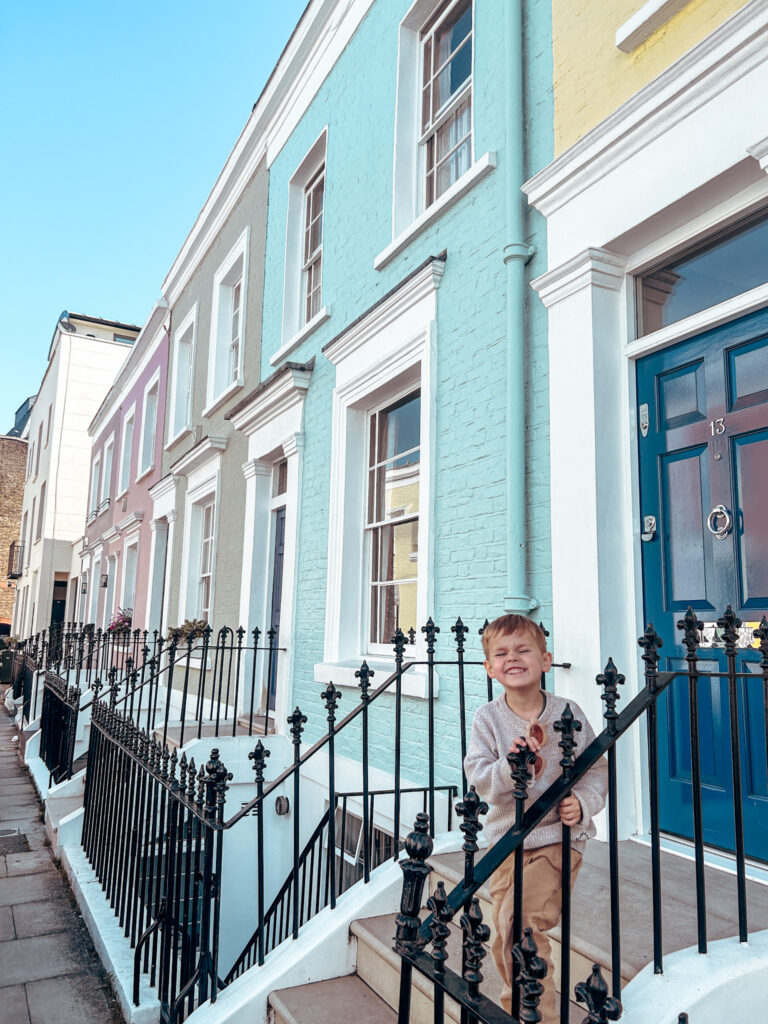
x=39, y=447
x=40, y=514
x=149, y=427
x=392, y=521
x=126, y=447
x=228, y=321
x=106, y=476
x=446, y=97
x=313, y=245
x=48, y=426
x=183, y=363
x=93, y=504
x=30, y=457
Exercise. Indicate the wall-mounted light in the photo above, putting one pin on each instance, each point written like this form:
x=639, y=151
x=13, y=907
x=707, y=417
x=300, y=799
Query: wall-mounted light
x=105, y=580
x=84, y=587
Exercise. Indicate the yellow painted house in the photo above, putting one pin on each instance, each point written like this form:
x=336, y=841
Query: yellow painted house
x=656, y=205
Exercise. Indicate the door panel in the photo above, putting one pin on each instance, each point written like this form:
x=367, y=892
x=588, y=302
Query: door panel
x=707, y=446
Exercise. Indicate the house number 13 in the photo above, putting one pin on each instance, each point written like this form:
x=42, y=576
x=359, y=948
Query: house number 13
x=717, y=426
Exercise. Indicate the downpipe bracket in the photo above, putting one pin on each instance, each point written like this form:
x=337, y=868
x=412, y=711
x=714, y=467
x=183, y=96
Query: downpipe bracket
x=519, y=251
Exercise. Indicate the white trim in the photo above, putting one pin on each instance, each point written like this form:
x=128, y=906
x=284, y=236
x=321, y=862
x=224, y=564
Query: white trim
x=106, y=478
x=143, y=470
x=188, y=323
x=189, y=463
x=727, y=54
x=132, y=541
x=130, y=415
x=203, y=485
x=301, y=335
x=232, y=389
x=390, y=351
x=480, y=169
x=293, y=299
x=643, y=23
x=220, y=330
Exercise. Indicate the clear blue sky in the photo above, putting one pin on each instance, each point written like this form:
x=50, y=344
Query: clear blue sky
x=115, y=121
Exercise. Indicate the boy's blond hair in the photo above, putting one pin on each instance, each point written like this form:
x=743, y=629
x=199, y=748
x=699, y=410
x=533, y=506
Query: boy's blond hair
x=506, y=625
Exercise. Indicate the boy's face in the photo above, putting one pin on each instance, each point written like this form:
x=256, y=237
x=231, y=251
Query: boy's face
x=516, y=661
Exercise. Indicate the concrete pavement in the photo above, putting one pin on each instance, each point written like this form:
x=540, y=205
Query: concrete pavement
x=49, y=971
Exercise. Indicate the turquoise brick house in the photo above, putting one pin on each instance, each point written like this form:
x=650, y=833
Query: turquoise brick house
x=396, y=290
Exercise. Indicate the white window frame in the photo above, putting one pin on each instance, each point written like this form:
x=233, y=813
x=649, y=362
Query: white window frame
x=295, y=325
x=444, y=114
x=41, y=512
x=232, y=270
x=370, y=530
x=124, y=469
x=131, y=542
x=108, y=462
x=48, y=426
x=203, y=487
x=187, y=329
x=153, y=382
x=386, y=355
x=109, y=597
x=93, y=504
x=409, y=216
x=206, y=547
x=312, y=257
x=93, y=596
x=39, y=447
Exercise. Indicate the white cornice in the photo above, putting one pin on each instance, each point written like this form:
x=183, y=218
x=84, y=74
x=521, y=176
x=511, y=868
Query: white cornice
x=163, y=487
x=131, y=523
x=593, y=268
x=412, y=291
x=320, y=37
x=286, y=393
x=760, y=152
x=195, y=457
x=725, y=55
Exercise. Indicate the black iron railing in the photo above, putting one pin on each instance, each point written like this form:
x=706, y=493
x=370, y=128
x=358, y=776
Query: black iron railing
x=413, y=935
x=58, y=726
x=152, y=831
x=329, y=863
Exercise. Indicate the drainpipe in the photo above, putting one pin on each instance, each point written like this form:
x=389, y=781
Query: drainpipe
x=516, y=254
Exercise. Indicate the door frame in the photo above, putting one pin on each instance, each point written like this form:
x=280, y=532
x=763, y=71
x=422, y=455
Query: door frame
x=594, y=454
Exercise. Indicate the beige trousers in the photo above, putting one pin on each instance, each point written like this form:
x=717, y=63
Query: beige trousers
x=542, y=874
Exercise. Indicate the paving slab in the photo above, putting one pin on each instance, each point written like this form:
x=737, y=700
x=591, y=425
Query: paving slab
x=31, y=919
x=43, y=956
x=29, y=888
x=31, y=863
x=13, y=1006
x=66, y=1001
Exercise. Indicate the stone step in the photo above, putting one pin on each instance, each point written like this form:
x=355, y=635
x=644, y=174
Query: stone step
x=339, y=1001
x=379, y=967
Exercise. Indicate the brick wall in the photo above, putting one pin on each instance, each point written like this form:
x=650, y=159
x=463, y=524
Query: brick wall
x=13, y=461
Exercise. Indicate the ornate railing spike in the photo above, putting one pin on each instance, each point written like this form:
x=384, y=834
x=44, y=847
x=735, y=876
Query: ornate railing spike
x=610, y=679
x=476, y=934
x=460, y=631
x=594, y=994
x=441, y=917
x=729, y=626
x=531, y=970
x=567, y=725
x=470, y=809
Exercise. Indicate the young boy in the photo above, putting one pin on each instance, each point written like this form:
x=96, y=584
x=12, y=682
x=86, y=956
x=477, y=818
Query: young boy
x=515, y=656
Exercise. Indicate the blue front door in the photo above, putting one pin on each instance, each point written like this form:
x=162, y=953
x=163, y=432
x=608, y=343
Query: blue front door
x=703, y=439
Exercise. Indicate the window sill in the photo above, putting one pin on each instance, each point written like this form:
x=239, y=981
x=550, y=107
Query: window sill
x=103, y=507
x=319, y=318
x=144, y=473
x=480, y=169
x=227, y=393
x=643, y=23
x=342, y=674
x=184, y=432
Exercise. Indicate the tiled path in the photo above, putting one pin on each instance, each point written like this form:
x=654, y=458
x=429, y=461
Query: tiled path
x=49, y=971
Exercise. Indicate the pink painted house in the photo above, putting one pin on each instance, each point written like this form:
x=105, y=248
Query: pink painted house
x=119, y=554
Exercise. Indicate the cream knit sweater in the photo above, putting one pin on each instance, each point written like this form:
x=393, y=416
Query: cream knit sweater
x=494, y=728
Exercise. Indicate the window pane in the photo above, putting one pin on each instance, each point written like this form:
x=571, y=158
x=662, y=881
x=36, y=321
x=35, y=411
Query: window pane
x=399, y=427
x=453, y=76
x=724, y=268
x=392, y=607
x=397, y=488
x=398, y=548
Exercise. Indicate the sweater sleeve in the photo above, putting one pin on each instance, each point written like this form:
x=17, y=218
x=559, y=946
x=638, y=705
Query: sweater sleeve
x=591, y=790
x=485, y=766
